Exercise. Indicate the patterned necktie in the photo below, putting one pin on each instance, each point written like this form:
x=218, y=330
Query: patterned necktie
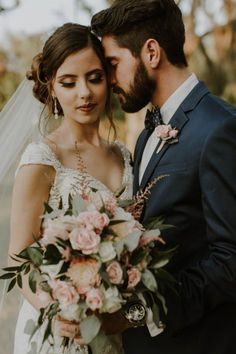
x=153, y=118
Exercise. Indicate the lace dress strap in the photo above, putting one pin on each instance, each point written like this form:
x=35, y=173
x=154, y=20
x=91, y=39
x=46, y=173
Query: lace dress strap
x=39, y=154
x=127, y=176
x=125, y=152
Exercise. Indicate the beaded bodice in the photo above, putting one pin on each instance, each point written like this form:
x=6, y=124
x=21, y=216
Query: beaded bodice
x=69, y=181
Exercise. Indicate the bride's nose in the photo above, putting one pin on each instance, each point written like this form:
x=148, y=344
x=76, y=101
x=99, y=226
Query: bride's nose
x=83, y=90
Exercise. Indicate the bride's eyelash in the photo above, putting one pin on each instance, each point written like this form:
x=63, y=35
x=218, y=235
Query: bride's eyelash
x=96, y=78
x=67, y=84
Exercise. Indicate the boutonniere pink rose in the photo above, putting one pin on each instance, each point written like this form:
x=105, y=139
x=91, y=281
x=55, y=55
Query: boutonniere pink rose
x=166, y=134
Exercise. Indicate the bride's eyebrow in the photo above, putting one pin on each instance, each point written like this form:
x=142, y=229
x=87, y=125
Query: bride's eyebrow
x=66, y=76
x=95, y=71
x=72, y=76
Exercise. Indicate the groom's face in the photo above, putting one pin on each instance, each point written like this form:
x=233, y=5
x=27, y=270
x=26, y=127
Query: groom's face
x=129, y=77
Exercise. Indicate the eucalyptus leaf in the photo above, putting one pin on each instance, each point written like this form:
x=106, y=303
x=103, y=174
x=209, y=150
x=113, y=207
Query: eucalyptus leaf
x=7, y=276
x=115, y=222
x=161, y=263
x=89, y=328
x=27, y=269
x=138, y=255
x=11, y=269
x=11, y=285
x=149, y=280
x=52, y=254
x=19, y=280
x=48, y=331
x=35, y=255
x=32, y=280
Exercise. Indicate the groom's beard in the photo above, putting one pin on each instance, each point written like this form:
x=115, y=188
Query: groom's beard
x=140, y=93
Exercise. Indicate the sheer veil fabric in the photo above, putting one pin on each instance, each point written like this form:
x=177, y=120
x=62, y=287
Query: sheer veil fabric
x=18, y=126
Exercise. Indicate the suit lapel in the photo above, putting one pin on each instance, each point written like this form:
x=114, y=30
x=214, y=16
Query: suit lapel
x=137, y=158
x=177, y=121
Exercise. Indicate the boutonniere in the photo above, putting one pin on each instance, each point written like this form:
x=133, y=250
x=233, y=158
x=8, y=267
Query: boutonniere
x=166, y=134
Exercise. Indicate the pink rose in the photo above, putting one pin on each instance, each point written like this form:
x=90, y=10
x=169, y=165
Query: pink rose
x=173, y=133
x=51, y=233
x=93, y=220
x=115, y=272
x=84, y=274
x=104, y=199
x=84, y=240
x=166, y=132
x=58, y=227
x=149, y=237
x=44, y=298
x=134, y=277
x=64, y=292
x=126, y=227
x=94, y=299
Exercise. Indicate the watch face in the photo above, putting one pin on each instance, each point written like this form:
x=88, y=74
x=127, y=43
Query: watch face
x=137, y=312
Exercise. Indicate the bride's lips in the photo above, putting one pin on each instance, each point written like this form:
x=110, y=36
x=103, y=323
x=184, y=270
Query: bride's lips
x=87, y=107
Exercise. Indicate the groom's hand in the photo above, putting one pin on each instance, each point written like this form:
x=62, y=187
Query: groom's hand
x=113, y=323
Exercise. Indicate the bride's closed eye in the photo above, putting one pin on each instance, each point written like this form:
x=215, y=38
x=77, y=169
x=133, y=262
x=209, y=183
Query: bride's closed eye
x=94, y=79
x=68, y=84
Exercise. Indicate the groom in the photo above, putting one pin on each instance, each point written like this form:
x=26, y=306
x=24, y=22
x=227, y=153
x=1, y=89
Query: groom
x=143, y=42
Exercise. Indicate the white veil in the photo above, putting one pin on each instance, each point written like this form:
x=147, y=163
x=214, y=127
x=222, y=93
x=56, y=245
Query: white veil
x=18, y=126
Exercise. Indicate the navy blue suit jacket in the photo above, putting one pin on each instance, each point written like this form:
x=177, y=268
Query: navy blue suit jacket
x=199, y=197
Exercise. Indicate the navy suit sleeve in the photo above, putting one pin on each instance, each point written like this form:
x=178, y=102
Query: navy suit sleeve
x=212, y=280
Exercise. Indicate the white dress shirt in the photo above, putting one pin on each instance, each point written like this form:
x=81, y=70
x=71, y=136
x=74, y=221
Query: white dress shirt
x=167, y=111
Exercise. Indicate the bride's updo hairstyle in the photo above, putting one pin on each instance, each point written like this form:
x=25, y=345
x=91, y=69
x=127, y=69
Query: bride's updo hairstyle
x=66, y=40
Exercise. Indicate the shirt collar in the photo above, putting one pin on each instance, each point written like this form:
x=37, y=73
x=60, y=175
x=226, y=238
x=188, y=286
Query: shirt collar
x=174, y=101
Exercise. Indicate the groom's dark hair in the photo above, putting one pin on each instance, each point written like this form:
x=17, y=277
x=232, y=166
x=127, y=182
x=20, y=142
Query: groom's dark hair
x=132, y=22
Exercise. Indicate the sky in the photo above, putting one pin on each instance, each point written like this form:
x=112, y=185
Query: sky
x=34, y=16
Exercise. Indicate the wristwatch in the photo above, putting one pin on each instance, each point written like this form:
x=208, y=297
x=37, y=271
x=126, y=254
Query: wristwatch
x=136, y=313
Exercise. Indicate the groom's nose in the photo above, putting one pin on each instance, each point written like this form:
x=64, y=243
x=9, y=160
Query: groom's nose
x=113, y=78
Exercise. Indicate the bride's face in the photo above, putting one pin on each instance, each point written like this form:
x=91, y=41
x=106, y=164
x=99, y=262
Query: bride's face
x=80, y=86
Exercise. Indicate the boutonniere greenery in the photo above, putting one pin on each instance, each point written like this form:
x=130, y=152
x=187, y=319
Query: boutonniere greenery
x=166, y=134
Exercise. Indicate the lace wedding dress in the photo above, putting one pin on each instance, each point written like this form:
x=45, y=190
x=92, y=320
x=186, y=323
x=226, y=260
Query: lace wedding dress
x=67, y=181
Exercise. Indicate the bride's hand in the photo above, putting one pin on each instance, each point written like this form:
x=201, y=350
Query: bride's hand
x=68, y=329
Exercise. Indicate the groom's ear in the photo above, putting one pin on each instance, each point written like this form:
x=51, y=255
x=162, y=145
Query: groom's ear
x=151, y=53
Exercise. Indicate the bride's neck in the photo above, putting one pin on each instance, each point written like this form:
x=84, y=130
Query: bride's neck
x=81, y=133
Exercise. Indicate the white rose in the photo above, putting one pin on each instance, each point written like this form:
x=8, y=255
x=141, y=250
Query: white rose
x=121, y=214
x=74, y=312
x=107, y=251
x=112, y=300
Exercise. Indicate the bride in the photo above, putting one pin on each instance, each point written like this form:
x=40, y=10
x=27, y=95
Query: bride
x=70, y=79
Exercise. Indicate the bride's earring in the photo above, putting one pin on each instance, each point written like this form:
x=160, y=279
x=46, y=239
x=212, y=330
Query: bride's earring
x=55, y=111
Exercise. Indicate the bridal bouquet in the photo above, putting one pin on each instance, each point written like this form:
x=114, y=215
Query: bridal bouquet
x=91, y=258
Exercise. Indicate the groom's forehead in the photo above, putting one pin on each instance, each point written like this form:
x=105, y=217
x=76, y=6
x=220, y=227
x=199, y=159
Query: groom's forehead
x=112, y=49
